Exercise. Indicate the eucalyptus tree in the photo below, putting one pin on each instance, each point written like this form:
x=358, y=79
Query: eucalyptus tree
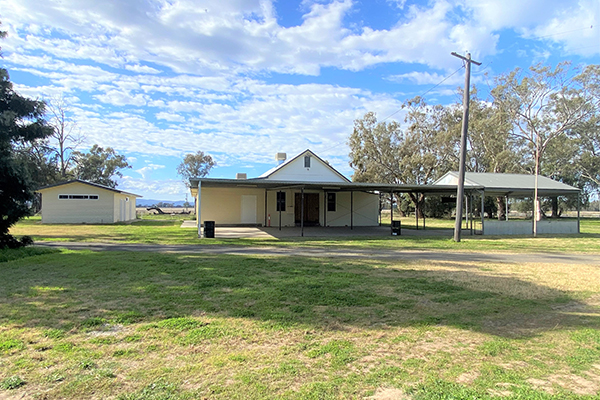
x=196, y=165
x=417, y=154
x=99, y=165
x=542, y=105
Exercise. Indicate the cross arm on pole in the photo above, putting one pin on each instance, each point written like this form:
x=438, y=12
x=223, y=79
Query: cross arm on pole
x=467, y=59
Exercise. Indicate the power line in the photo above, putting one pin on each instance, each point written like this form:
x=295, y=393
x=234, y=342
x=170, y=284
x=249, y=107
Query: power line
x=427, y=91
x=562, y=33
x=400, y=109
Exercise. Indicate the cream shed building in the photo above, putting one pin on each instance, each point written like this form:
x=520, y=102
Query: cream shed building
x=78, y=202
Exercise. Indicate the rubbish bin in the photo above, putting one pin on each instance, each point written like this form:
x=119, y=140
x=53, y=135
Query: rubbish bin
x=209, y=229
x=396, y=228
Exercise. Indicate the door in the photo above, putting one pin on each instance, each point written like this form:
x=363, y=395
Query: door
x=311, y=208
x=122, y=210
x=248, y=210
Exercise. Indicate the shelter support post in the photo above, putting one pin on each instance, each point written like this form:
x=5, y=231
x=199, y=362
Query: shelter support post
x=351, y=210
x=506, y=206
x=533, y=216
x=417, y=211
x=266, y=210
x=198, y=209
x=423, y=212
x=578, y=212
x=302, y=212
x=325, y=208
x=379, y=209
x=279, y=203
x=482, y=211
x=470, y=213
x=391, y=207
x=467, y=204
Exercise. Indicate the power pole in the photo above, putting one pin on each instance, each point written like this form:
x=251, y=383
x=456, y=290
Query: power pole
x=463, y=146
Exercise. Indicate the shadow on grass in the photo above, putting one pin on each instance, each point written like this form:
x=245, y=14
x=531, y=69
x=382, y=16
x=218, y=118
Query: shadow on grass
x=67, y=291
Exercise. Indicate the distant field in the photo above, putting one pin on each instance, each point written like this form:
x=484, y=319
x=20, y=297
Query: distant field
x=144, y=212
x=147, y=326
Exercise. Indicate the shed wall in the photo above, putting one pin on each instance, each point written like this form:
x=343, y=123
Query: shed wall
x=55, y=211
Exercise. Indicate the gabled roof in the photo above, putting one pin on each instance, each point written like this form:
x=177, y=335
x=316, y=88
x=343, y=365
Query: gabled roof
x=87, y=183
x=287, y=162
x=509, y=184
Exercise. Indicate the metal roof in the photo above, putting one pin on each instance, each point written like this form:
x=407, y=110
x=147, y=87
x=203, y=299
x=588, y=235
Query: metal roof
x=87, y=183
x=516, y=185
x=329, y=186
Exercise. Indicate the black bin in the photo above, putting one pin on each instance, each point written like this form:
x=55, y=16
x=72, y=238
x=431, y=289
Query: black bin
x=209, y=229
x=396, y=228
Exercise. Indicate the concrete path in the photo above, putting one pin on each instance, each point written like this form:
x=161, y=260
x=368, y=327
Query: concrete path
x=337, y=252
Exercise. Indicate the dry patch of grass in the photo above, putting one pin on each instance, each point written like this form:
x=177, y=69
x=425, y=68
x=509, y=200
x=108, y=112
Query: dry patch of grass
x=158, y=326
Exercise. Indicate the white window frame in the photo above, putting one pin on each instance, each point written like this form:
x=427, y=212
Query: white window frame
x=83, y=196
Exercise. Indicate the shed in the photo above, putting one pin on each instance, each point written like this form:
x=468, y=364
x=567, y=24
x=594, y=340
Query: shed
x=514, y=186
x=81, y=202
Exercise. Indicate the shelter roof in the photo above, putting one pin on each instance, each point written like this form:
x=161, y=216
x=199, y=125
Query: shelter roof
x=509, y=184
x=328, y=186
x=97, y=185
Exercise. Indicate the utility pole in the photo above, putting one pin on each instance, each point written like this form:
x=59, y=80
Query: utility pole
x=463, y=146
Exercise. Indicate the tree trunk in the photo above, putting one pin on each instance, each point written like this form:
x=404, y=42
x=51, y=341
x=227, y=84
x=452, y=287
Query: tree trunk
x=555, y=212
x=419, y=202
x=501, y=208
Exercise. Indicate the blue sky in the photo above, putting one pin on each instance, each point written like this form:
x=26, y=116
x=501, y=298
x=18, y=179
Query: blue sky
x=244, y=79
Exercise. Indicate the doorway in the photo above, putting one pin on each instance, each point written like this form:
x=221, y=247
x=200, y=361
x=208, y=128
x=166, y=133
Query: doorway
x=248, y=213
x=311, y=208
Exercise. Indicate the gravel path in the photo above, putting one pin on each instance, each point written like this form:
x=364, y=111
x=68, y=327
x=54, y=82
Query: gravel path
x=336, y=252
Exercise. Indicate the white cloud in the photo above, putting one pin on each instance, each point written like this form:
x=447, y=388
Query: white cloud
x=145, y=171
x=142, y=69
x=170, y=117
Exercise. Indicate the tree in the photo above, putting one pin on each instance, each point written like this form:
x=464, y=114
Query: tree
x=63, y=133
x=99, y=165
x=419, y=154
x=195, y=166
x=588, y=133
x=491, y=147
x=542, y=106
x=40, y=161
x=21, y=122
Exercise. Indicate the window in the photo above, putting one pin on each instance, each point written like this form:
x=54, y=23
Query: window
x=306, y=161
x=280, y=201
x=78, y=197
x=331, y=201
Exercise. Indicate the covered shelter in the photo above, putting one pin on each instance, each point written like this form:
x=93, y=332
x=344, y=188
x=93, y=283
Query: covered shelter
x=306, y=191
x=516, y=186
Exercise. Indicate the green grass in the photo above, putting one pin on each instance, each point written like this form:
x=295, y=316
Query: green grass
x=81, y=324
x=168, y=231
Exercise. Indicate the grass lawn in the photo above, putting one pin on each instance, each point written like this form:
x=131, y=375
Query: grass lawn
x=163, y=326
x=167, y=231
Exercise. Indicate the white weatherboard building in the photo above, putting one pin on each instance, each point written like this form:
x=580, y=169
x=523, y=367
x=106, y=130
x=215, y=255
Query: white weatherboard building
x=307, y=191
x=77, y=202
x=301, y=191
